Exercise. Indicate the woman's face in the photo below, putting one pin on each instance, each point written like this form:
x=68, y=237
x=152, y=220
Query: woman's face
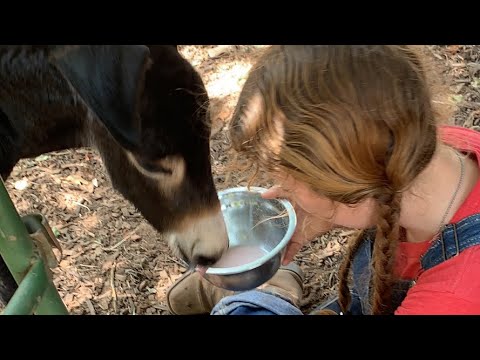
x=358, y=216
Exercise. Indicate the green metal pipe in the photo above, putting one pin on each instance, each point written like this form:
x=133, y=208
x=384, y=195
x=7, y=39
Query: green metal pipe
x=16, y=246
x=29, y=292
x=51, y=303
x=16, y=249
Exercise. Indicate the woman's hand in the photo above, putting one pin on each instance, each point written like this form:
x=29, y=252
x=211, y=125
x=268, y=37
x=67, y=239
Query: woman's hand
x=308, y=227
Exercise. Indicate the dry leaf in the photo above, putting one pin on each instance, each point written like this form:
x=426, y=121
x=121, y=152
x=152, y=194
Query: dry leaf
x=453, y=49
x=142, y=285
x=21, y=184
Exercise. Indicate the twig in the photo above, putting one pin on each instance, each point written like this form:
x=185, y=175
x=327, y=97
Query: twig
x=132, y=305
x=441, y=102
x=470, y=104
x=61, y=153
x=331, y=278
x=80, y=204
x=131, y=271
x=125, y=296
x=112, y=286
x=116, y=245
x=327, y=252
x=282, y=214
x=65, y=166
x=90, y=307
x=349, y=232
x=36, y=198
x=184, y=264
x=169, y=277
x=129, y=235
x=318, y=257
x=88, y=266
x=313, y=253
x=470, y=119
x=89, y=233
x=104, y=295
x=308, y=262
x=220, y=50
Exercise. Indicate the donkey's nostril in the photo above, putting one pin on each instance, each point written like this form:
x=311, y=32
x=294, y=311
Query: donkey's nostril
x=205, y=260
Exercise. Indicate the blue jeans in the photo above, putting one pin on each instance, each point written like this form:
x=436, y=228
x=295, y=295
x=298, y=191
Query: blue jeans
x=255, y=302
x=453, y=240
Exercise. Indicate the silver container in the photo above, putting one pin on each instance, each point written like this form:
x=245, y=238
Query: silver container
x=253, y=221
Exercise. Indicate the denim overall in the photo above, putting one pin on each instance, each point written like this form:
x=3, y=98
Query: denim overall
x=452, y=240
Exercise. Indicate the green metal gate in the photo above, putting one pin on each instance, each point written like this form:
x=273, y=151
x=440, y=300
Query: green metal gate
x=26, y=247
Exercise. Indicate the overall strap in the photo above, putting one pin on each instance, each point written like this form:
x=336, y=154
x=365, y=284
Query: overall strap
x=452, y=241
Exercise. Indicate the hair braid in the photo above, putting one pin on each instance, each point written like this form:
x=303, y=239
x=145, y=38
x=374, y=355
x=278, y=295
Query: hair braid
x=385, y=244
x=344, y=272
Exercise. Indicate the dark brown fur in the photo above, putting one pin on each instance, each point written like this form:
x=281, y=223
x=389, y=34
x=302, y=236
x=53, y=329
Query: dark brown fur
x=147, y=100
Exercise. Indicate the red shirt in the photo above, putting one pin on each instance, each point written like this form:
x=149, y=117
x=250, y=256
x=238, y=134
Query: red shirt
x=452, y=287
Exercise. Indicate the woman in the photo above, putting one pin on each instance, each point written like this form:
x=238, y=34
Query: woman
x=350, y=136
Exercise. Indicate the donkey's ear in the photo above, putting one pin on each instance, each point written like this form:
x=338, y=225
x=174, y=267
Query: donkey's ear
x=109, y=78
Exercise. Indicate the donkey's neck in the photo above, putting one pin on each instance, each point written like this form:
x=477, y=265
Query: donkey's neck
x=54, y=135
x=33, y=137
x=39, y=112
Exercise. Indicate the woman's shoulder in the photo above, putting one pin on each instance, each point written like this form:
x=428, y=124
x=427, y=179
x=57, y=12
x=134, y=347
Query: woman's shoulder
x=452, y=287
x=460, y=137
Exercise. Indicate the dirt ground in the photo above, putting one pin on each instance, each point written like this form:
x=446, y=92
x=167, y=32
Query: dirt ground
x=114, y=262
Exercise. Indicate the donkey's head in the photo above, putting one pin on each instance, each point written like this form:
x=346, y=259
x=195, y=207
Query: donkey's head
x=150, y=123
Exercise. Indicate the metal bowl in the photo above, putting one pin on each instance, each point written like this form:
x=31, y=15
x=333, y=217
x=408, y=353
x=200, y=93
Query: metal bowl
x=253, y=222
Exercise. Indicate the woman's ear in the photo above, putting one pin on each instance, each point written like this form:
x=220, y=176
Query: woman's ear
x=245, y=120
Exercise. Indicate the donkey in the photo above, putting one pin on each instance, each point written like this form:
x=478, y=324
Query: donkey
x=144, y=108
